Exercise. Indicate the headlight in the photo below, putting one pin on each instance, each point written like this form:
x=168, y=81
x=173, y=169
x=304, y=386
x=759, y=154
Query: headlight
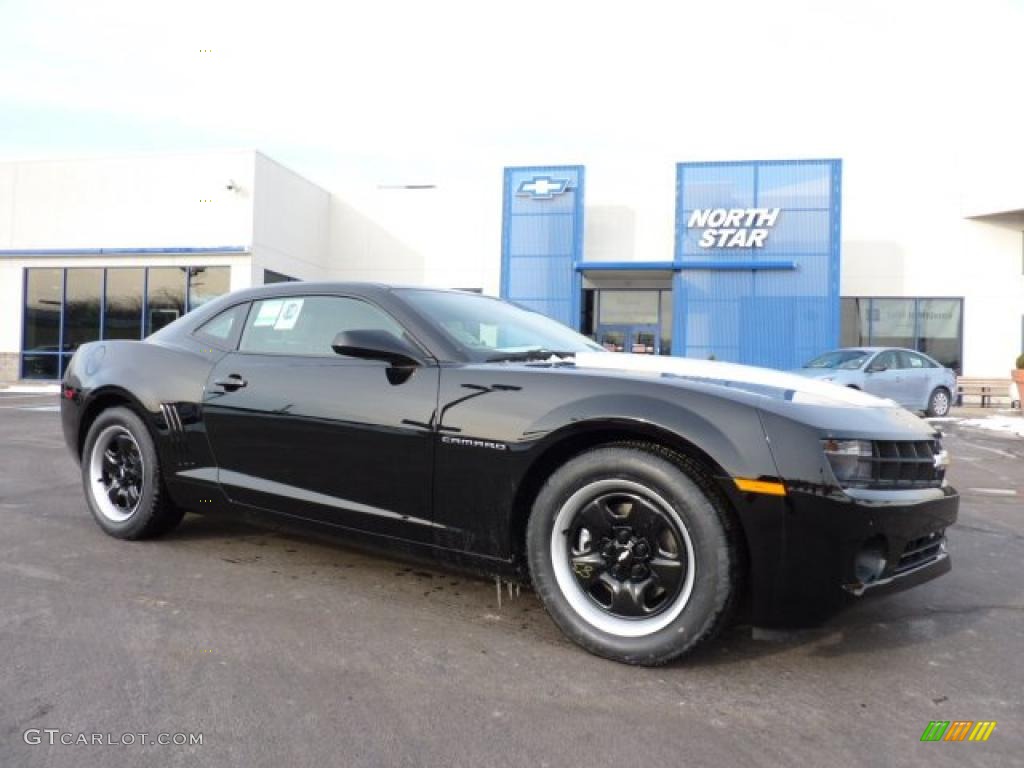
x=845, y=457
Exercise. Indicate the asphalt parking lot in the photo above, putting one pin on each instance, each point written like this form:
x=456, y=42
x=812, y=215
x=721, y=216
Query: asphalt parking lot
x=283, y=651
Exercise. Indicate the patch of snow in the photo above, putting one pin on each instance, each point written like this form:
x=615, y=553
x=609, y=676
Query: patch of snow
x=32, y=389
x=1012, y=425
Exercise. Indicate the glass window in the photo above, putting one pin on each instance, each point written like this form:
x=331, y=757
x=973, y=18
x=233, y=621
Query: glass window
x=206, y=283
x=628, y=307
x=222, y=328
x=40, y=366
x=64, y=308
x=934, y=327
x=613, y=341
x=855, y=324
x=892, y=322
x=887, y=360
x=82, y=293
x=489, y=329
x=42, y=310
x=843, y=359
x=165, y=297
x=306, y=325
x=912, y=360
x=938, y=330
x=123, y=315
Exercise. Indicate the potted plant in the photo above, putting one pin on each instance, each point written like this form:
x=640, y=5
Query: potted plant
x=1018, y=378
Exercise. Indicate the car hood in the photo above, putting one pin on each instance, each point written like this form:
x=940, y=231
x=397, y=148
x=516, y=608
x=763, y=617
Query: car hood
x=766, y=382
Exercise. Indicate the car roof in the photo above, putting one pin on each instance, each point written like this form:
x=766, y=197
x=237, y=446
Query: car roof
x=875, y=349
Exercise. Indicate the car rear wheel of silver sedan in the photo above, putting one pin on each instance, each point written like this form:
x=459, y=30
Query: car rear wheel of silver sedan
x=633, y=553
x=939, y=402
x=121, y=475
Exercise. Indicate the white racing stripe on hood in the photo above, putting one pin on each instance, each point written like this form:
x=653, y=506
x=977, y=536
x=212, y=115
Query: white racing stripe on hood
x=799, y=389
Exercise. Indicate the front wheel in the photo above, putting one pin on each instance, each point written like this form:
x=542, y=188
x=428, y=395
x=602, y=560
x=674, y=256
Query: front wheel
x=121, y=476
x=633, y=554
x=939, y=402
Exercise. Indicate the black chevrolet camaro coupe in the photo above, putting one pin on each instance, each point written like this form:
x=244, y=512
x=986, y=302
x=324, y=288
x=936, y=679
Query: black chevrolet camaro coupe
x=645, y=498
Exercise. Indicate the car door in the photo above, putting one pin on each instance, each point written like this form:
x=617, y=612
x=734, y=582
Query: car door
x=884, y=376
x=300, y=429
x=918, y=374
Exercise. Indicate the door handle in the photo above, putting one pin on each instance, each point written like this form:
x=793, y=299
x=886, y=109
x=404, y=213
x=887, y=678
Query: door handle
x=231, y=383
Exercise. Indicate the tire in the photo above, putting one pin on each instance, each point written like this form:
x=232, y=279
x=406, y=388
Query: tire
x=939, y=402
x=633, y=553
x=121, y=477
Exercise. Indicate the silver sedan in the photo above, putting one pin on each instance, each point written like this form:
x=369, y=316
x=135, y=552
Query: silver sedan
x=912, y=379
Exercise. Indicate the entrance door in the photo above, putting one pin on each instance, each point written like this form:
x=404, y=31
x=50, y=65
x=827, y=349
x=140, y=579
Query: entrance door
x=637, y=339
x=630, y=319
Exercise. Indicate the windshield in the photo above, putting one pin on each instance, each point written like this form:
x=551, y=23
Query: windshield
x=492, y=330
x=842, y=359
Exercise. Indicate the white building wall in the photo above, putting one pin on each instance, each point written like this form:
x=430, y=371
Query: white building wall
x=291, y=226
x=125, y=202
x=131, y=201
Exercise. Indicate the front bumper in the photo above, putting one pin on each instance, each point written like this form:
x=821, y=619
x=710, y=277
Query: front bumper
x=808, y=549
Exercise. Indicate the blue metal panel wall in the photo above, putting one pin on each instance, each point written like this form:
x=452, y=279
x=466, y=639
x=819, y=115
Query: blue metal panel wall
x=779, y=314
x=542, y=238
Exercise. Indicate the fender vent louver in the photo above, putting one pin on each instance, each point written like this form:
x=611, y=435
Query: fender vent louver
x=177, y=439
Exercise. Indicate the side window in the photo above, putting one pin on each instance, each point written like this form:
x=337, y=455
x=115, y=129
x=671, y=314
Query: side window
x=222, y=329
x=887, y=359
x=306, y=325
x=910, y=360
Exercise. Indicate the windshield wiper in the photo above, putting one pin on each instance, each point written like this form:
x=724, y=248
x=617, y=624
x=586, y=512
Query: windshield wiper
x=538, y=353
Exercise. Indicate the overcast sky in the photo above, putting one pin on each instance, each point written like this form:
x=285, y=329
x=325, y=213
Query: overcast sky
x=390, y=88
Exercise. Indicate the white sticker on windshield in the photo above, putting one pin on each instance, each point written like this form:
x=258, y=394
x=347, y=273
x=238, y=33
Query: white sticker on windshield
x=269, y=310
x=289, y=315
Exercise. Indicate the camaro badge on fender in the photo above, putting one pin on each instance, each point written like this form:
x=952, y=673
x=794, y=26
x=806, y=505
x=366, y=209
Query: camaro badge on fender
x=472, y=443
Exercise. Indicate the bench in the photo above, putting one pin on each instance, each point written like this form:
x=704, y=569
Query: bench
x=985, y=389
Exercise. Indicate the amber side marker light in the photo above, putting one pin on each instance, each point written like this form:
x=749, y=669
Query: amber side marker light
x=766, y=487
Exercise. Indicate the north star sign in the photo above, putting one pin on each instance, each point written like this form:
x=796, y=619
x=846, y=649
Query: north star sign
x=733, y=227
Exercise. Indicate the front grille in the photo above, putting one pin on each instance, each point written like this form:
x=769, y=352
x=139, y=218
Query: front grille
x=887, y=464
x=920, y=551
x=905, y=464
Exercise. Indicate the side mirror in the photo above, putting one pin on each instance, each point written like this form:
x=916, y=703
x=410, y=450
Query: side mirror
x=877, y=367
x=376, y=345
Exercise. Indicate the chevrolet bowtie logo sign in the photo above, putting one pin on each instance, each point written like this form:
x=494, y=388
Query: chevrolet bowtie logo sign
x=542, y=187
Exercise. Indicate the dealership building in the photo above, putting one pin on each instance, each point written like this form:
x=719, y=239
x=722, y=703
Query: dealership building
x=768, y=261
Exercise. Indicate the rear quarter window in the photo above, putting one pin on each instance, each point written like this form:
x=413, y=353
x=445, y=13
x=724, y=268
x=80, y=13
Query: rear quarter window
x=223, y=329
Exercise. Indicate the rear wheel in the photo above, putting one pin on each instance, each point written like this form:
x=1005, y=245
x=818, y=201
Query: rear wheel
x=632, y=553
x=939, y=402
x=121, y=476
